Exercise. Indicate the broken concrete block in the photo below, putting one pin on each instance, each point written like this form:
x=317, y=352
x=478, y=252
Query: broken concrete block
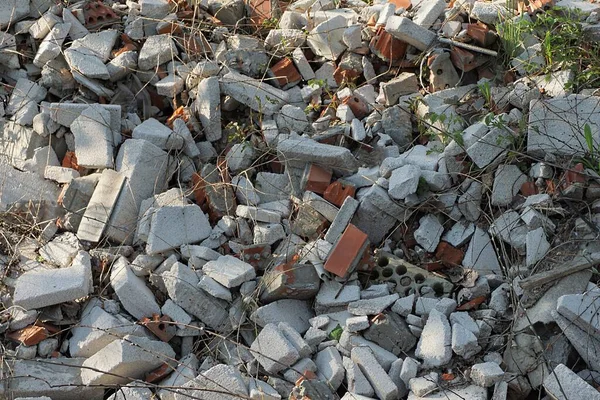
x=391, y=333
x=486, y=374
x=507, y=183
x=537, y=246
x=145, y=167
x=424, y=385
x=219, y=382
x=173, y=226
x=372, y=306
x=257, y=95
x=59, y=379
x=229, y=271
x=292, y=281
x=294, y=312
x=157, y=50
x=208, y=107
x=330, y=367
x=464, y=342
x=563, y=382
x=326, y=39
x=383, y=386
x=97, y=328
x=100, y=206
x=404, y=181
x=182, y=285
x=429, y=232
x=51, y=46
x=299, y=151
x=86, y=63
x=124, y=360
x=409, y=32
x=272, y=350
x=489, y=147
x=480, y=254
x=435, y=343
x=158, y=134
x=132, y=291
x=46, y=287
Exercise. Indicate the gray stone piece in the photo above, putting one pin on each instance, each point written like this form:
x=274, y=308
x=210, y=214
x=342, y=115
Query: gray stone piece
x=229, y=271
x=557, y=125
x=56, y=378
x=425, y=384
x=581, y=309
x=391, y=333
x=11, y=11
x=486, y=374
x=507, y=183
x=408, y=31
x=87, y=63
x=357, y=381
x=131, y=393
x=480, y=254
x=383, y=386
x=158, y=134
x=330, y=367
x=208, y=107
x=428, y=12
x=509, y=227
x=434, y=346
x=464, y=342
x=537, y=246
x=220, y=382
x=459, y=234
x=214, y=288
x=404, y=181
x=472, y=392
x=429, y=232
x=586, y=344
x=299, y=151
x=182, y=286
x=488, y=148
x=124, y=360
x=257, y=95
x=326, y=39
x=145, y=167
x=563, y=384
x=100, y=44
x=100, y=206
x=97, y=328
x=132, y=291
x=294, y=312
x=272, y=350
x=157, y=50
x=46, y=287
x=93, y=138
x=173, y=226
x=372, y=306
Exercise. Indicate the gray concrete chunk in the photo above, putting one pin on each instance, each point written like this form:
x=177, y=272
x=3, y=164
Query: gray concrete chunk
x=229, y=271
x=46, y=287
x=272, y=350
x=173, y=226
x=132, y=291
x=434, y=346
x=384, y=387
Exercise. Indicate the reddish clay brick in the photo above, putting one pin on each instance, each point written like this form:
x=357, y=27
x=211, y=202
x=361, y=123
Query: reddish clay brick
x=97, y=14
x=387, y=47
x=317, y=178
x=528, y=189
x=344, y=75
x=286, y=72
x=472, y=304
x=481, y=34
x=359, y=107
x=347, y=251
x=449, y=255
x=465, y=60
x=401, y=3
x=538, y=6
x=159, y=373
x=160, y=326
x=574, y=175
x=255, y=254
x=337, y=192
x=29, y=336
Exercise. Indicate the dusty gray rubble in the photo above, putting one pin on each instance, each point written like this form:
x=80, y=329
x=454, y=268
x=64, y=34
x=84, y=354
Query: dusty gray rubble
x=299, y=200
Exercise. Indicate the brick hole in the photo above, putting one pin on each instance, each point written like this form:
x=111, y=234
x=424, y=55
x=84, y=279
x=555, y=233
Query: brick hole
x=387, y=272
x=401, y=270
x=405, y=281
x=419, y=278
x=383, y=261
x=374, y=275
x=438, y=288
x=162, y=327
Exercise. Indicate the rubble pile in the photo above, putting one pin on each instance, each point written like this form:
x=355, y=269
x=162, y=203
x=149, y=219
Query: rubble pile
x=306, y=199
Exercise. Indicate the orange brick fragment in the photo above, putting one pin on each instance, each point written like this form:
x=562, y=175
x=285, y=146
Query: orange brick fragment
x=29, y=336
x=347, y=252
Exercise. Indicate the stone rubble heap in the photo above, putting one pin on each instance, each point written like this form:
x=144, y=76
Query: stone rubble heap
x=325, y=199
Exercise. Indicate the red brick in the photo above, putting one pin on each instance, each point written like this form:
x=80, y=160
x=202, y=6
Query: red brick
x=29, y=336
x=347, y=251
x=359, y=107
x=449, y=255
x=161, y=326
x=465, y=60
x=317, y=178
x=158, y=374
x=481, y=34
x=528, y=189
x=97, y=14
x=337, y=192
x=387, y=47
x=286, y=72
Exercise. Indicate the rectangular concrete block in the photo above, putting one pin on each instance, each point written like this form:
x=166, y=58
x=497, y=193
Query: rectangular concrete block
x=409, y=32
x=132, y=291
x=173, y=226
x=124, y=360
x=273, y=351
x=46, y=287
x=98, y=211
x=384, y=387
